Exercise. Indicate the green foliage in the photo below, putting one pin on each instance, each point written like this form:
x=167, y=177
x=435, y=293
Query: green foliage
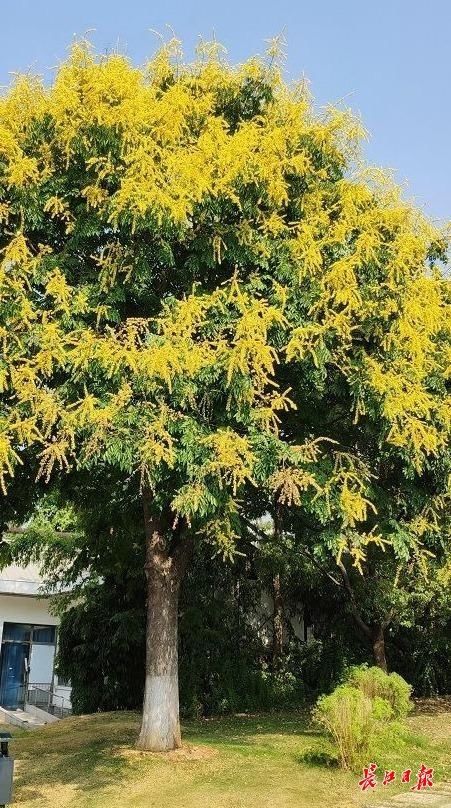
x=101, y=649
x=202, y=304
x=220, y=671
x=200, y=294
x=223, y=665
x=353, y=720
x=367, y=706
x=375, y=683
x=423, y=653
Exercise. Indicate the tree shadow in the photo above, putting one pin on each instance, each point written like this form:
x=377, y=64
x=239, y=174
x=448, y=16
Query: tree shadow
x=53, y=757
x=91, y=753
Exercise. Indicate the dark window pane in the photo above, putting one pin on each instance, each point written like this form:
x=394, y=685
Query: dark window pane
x=16, y=631
x=44, y=634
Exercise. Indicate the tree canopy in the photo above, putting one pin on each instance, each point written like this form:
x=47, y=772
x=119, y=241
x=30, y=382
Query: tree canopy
x=205, y=293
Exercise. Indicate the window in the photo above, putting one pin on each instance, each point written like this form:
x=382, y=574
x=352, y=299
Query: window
x=16, y=632
x=21, y=632
x=44, y=634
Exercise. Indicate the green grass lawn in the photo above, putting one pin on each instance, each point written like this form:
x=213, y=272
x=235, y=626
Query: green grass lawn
x=235, y=762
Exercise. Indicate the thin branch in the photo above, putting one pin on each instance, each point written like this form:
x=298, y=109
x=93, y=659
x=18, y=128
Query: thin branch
x=355, y=612
x=302, y=549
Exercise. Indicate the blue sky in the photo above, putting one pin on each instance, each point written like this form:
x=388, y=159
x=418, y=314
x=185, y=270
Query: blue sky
x=387, y=59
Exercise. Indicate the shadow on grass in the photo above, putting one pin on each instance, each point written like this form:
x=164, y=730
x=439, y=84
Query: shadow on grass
x=249, y=731
x=80, y=753
x=87, y=754
x=80, y=771
x=322, y=758
x=251, y=724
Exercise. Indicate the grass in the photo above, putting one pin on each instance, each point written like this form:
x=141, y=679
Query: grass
x=235, y=762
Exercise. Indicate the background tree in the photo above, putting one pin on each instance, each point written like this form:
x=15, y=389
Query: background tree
x=413, y=522
x=193, y=273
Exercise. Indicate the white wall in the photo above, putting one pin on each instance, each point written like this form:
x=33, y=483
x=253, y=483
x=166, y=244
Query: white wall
x=16, y=609
x=260, y=618
x=65, y=693
x=20, y=580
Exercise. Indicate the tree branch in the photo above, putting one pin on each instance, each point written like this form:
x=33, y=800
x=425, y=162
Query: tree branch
x=355, y=612
x=302, y=549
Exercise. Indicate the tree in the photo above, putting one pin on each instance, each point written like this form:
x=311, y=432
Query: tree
x=194, y=276
x=413, y=521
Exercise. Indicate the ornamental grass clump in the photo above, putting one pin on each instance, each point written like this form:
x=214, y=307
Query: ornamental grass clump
x=391, y=687
x=357, y=712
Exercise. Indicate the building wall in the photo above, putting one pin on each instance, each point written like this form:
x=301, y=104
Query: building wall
x=33, y=610
x=20, y=603
x=261, y=619
x=17, y=609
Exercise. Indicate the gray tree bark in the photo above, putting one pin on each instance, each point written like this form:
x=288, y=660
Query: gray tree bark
x=160, y=729
x=378, y=640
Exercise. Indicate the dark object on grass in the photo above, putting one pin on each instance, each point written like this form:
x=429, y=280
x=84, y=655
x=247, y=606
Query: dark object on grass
x=6, y=770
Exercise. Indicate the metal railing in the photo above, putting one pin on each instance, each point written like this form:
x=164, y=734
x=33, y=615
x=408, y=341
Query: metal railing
x=43, y=695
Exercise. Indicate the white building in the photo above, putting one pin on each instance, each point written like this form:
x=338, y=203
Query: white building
x=28, y=637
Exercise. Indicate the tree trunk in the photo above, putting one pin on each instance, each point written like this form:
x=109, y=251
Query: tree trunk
x=374, y=634
x=160, y=729
x=277, y=623
x=277, y=633
x=378, y=641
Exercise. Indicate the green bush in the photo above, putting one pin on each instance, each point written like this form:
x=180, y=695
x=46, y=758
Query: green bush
x=391, y=687
x=368, y=704
x=353, y=719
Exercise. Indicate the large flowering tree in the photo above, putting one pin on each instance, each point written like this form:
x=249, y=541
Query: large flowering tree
x=196, y=274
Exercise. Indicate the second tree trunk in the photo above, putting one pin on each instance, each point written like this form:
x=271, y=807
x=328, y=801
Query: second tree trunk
x=378, y=641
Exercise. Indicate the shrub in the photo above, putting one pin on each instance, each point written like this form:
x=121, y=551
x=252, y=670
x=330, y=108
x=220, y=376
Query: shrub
x=391, y=687
x=353, y=719
x=364, y=707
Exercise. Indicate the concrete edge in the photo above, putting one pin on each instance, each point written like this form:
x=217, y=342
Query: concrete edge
x=43, y=715
x=9, y=718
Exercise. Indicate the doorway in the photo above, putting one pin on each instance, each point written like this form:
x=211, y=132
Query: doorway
x=27, y=656
x=13, y=672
